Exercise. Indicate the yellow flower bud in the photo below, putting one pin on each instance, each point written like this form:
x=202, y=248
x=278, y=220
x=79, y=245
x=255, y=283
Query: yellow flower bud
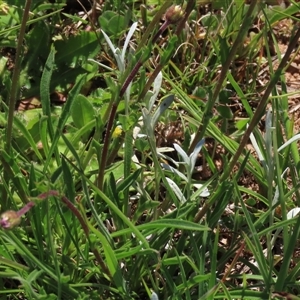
x=117, y=132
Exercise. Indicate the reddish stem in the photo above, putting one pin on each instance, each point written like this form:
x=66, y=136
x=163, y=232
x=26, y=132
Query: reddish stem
x=85, y=228
x=25, y=209
x=136, y=68
x=31, y=204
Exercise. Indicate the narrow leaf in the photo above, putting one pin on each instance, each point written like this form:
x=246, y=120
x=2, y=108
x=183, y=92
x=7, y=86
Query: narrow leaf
x=127, y=40
x=45, y=90
x=195, y=153
x=182, y=153
x=63, y=117
x=176, y=190
x=156, y=89
x=164, y=223
x=161, y=109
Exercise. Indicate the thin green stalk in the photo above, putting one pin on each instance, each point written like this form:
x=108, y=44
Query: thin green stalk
x=153, y=24
x=189, y=7
x=256, y=118
x=85, y=228
x=225, y=69
x=11, y=219
x=13, y=94
x=262, y=104
x=106, y=143
x=15, y=76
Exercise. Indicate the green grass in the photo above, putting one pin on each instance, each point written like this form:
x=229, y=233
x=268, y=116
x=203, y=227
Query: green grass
x=93, y=205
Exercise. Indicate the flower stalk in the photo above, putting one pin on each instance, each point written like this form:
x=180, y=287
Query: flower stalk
x=11, y=219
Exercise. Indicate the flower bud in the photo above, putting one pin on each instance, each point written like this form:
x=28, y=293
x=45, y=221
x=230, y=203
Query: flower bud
x=4, y=7
x=174, y=14
x=9, y=219
x=117, y=132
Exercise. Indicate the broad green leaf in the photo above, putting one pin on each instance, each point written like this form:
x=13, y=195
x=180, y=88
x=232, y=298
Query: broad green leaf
x=14, y=28
x=77, y=49
x=82, y=111
x=112, y=23
x=225, y=112
x=28, y=137
x=63, y=117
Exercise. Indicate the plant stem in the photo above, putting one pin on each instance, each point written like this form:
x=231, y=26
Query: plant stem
x=130, y=77
x=210, y=104
x=153, y=24
x=262, y=104
x=13, y=95
x=85, y=228
x=136, y=68
x=25, y=208
x=106, y=143
x=150, y=80
x=15, y=76
x=190, y=6
x=256, y=117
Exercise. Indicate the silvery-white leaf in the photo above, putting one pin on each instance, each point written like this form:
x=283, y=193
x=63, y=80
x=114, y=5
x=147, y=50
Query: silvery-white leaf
x=268, y=123
x=259, y=153
x=120, y=63
x=165, y=149
x=176, y=190
x=195, y=153
x=276, y=196
x=182, y=153
x=291, y=140
x=283, y=173
x=136, y=161
x=127, y=40
x=293, y=213
x=165, y=157
x=101, y=65
x=137, y=129
x=156, y=88
x=256, y=147
x=110, y=44
x=127, y=93
x=147, y=120
x=161, y=109
x=136, y=132
x=173, y=170
x=147, y=98
x=192, y=138
x=204, y=193
x=154, y=296
x=141, y=136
